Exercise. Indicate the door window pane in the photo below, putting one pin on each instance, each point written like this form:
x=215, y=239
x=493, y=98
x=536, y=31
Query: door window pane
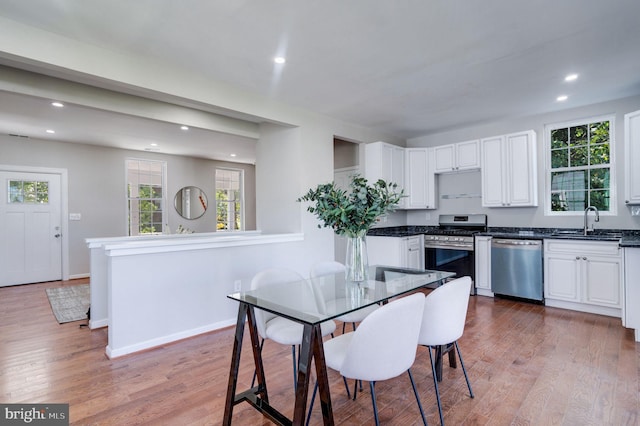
x=28, y=192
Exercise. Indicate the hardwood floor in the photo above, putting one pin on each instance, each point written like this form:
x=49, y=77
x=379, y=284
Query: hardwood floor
x=528, y=365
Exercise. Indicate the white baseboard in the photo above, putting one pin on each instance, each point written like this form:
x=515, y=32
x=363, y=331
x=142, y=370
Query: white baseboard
x=158, y=341
x=78, y=276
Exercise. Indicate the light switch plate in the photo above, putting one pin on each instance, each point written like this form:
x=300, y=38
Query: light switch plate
x=75, y=216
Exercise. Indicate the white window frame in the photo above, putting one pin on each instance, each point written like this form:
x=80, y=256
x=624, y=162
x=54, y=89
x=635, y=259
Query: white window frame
x=613, y=192
x=165, y=206
x=242, y=205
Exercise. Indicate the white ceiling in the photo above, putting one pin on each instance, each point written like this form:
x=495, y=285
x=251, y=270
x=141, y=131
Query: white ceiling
x=404, y=67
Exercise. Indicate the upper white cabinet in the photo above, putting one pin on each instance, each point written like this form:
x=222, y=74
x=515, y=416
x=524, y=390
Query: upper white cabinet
x=509, y=170
x=385, y=161
x=632, y=157
x=419, y=182
x=457, y=157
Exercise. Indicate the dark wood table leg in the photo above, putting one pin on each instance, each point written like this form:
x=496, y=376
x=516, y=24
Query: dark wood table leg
x=323, y=378
x=312, y=350
x=235, y=365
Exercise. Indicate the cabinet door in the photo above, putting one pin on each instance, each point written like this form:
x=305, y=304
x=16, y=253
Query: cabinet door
x=419, y=179
x=415, y=252
x=468, y=155
x=562, y=275
x=521, y=170
x=483, y=263
x=445, y=158
x=632, y=157
x=385, y=251
x=492, y=170
x=397, y=171
x=602, y=286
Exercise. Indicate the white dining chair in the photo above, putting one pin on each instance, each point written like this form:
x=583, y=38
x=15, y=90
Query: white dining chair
x=445, y=313
x=333, y=267
x=383, y=347
x=279, y=329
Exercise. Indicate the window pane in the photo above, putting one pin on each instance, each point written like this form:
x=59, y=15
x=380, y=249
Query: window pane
x=573, y=180
x=15, y=191
x=600, y=199
x=599, y=154
x=599, y=179
x=578, y=135
x=559, y=158
x=559, y=138
x=579, y=156
x=42, y=192
x=599, y=132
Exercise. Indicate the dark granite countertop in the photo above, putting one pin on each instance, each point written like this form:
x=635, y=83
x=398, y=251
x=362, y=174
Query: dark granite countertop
x=626, y=237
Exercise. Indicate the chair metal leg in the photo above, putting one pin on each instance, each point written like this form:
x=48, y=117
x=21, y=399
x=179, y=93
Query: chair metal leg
x=254, y=371
x=415, y=392
x=343, y=326
x=346, y=386
x=295, y=368
x=355, y=389
x=464, y=370
x=353, y=324
x=435, y=384
x=373, y=401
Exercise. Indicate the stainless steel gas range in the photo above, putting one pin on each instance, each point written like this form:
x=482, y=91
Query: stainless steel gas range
x=450, y=246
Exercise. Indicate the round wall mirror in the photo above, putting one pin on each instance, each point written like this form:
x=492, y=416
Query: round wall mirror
x=190, y=202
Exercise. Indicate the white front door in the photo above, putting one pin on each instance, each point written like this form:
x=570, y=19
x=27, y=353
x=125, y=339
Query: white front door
x=30, y=228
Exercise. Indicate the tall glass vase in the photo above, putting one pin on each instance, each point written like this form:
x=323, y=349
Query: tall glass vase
x=357, y=262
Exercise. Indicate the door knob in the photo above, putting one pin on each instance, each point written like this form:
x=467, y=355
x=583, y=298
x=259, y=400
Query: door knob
x=57, y=235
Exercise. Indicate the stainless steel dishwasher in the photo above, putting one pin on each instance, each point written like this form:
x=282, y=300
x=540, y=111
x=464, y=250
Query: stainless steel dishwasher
x=516, y=268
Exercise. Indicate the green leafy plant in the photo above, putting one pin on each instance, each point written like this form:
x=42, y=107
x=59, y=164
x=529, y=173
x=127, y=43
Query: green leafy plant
x=351, y=213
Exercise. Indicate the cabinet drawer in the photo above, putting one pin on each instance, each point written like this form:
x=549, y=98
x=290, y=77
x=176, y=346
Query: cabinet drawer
x=601, y=248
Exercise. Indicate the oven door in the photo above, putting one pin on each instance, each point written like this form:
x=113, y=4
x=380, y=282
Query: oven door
x=454, y=259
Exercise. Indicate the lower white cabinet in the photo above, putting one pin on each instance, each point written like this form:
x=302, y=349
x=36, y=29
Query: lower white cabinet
x=405, y=252
x=483, y=266
x=584, y=276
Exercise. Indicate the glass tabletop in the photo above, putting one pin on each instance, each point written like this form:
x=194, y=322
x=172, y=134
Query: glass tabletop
x=320, y=299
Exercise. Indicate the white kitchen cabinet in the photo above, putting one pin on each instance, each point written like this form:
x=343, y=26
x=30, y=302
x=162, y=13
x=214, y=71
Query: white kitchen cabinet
x=457, y=157
x=509, y=170
x=632, y=157
x=584, y=276
x=631, y=310
x=405, y=252
x=483, y=266
x=385, y=161
x=420, y=186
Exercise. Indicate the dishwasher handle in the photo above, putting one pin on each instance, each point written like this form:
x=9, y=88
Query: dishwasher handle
x=517, y=242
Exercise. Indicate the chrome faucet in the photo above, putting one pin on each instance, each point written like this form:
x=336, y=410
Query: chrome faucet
x=586, y=213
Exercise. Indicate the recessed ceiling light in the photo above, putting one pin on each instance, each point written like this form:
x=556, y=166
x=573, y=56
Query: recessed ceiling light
x=562, y=98
x=279, y=60
x=57, y=104
x=232, y=155
x=154, y=144
x=51, y=131
x=184, y=127
x=571, y=77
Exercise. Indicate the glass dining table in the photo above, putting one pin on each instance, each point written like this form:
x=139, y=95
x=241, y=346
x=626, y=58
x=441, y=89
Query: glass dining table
x=333, y=296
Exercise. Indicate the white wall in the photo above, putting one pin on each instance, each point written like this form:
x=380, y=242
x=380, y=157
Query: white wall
x=97, y=187
x=528, y=216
